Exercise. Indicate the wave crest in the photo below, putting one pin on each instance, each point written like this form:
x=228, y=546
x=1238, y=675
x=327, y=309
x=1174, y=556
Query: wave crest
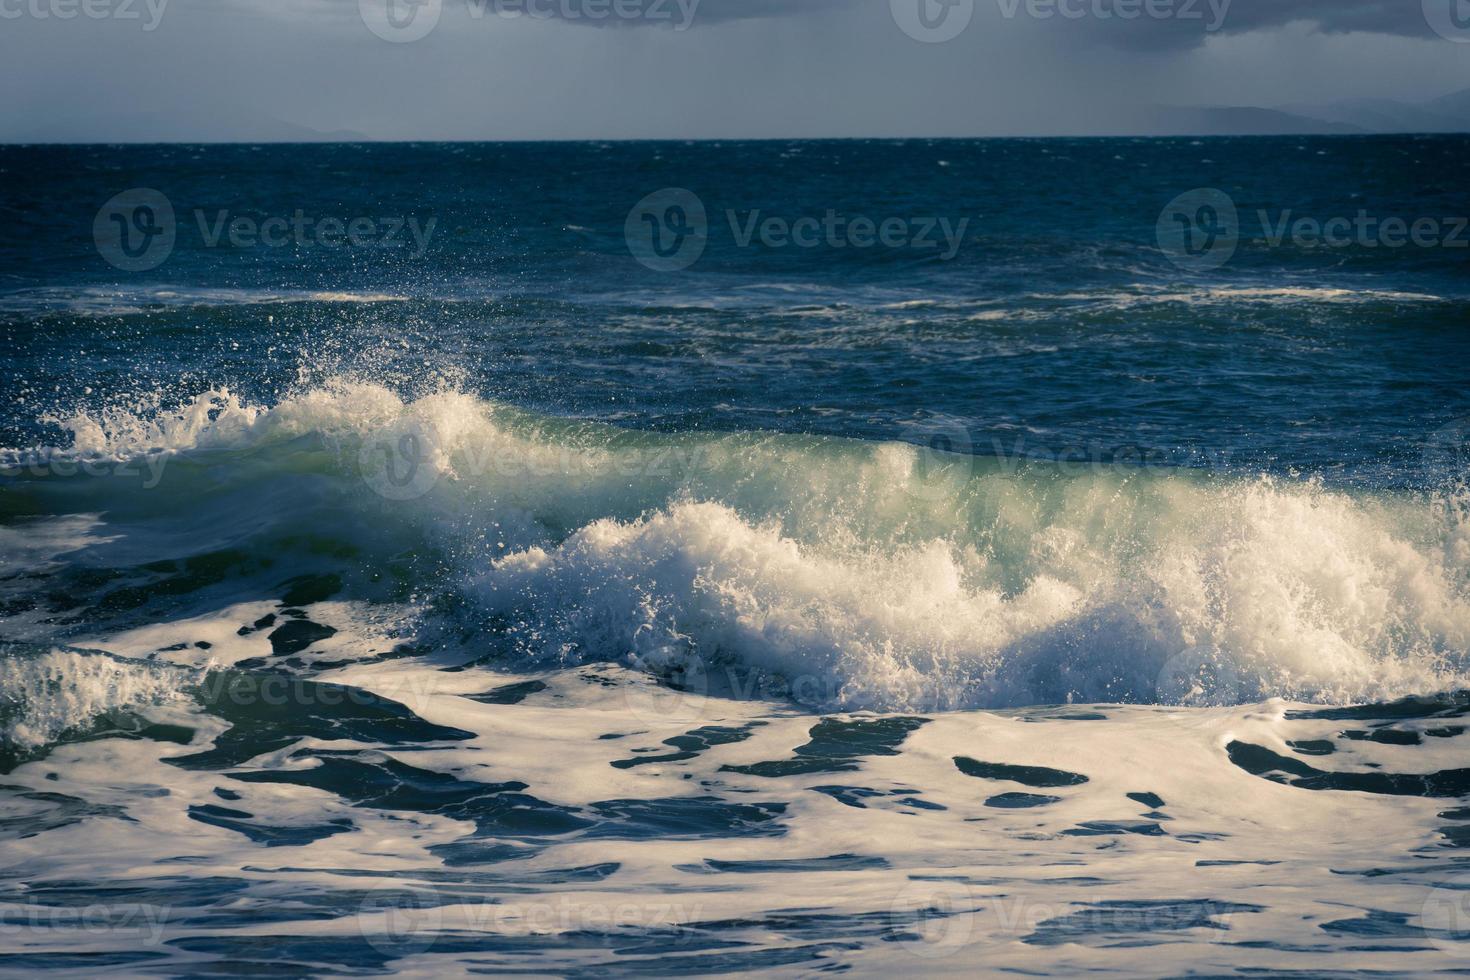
x=893, y=576
x=45, y=694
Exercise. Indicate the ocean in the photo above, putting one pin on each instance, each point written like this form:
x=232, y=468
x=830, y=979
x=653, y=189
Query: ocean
x=1000, y=557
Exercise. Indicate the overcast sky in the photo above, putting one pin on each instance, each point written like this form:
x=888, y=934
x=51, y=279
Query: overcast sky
x=221, y=69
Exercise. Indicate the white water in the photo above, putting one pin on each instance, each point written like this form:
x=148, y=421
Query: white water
x=59, y=691
x=757, y=570
x=883, y=576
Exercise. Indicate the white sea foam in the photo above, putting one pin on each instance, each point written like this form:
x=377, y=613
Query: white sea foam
x=889, y=576
x=1152, y=295
x=1297, y=592
x=113, y=301
x=45, y=694
x=35, y=544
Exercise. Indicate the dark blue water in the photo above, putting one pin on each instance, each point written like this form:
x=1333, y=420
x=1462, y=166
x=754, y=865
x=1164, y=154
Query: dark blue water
x=682, y=559
x=1058, y=319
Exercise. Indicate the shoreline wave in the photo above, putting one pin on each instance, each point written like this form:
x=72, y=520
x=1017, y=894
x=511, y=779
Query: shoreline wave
x=898, y=577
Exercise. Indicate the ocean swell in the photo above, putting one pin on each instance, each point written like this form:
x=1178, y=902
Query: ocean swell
x=884, y=575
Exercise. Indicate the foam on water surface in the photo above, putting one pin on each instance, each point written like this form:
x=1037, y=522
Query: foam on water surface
x=896, y=577
x=509, y=607
x=436, y=684
x=513, y=836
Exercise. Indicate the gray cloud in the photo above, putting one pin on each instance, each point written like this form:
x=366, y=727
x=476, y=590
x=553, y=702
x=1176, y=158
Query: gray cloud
x=1404, y=17
x=1123, y=23
x=623, y=13
x=261, y=69
x=1203, y=17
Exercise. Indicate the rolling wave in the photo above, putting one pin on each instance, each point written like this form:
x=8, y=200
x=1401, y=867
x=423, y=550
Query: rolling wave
x=884, y=576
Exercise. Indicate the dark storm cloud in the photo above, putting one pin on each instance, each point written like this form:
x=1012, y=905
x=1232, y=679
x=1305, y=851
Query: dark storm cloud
x=640, y=13
x=1127, y=23
x=266, y=69
x=1404, y=17
x=1190, y=22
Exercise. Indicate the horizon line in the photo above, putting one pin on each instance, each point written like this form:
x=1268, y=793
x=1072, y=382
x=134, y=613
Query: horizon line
x=367, y=140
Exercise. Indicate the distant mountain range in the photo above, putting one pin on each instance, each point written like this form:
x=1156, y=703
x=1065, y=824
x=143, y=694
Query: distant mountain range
x=235, y=126
x=1446, y=114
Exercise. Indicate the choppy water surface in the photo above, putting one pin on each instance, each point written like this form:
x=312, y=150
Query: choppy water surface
x=510, y=606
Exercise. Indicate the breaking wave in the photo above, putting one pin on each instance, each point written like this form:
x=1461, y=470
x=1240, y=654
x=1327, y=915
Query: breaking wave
x=891, y=576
